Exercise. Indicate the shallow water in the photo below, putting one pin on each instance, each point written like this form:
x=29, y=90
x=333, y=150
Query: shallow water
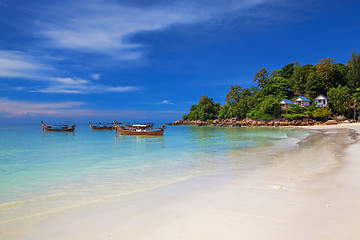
x=42, y=172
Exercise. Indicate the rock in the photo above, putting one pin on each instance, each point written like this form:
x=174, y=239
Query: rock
x=331, y=122
x=340, y=118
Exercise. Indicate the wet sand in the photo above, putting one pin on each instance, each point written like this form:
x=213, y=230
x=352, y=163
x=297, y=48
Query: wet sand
x=309, y=193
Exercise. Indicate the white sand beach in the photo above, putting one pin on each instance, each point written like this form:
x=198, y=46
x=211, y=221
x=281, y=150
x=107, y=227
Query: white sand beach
x=310, y=193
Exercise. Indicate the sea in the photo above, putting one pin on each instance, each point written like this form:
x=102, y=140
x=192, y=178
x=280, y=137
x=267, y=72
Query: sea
x=44, y=172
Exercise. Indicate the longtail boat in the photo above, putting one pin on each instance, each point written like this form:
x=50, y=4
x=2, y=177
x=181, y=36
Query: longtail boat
x=108, y=126
x=138, y=129
x=58, y=128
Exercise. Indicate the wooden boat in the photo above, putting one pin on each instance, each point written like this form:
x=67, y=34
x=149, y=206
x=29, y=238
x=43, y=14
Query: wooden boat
x=58, y=128
x=102, y=126
x=138, y=130
x=140, y=126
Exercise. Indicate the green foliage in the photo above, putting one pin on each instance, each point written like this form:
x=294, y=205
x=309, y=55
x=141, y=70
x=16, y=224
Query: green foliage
x=287, y=71
x=313, y=85
x=321, y=113
x=326, y=72
x=356, y=95
x=239, y=102
x=267, y=109
x=234, y=94
x=339, y=98
x=353, y=75
x=297, y=112
x=262, y=77
x=224, y=112
x=206, y=109
x=298, y=78
x=277, y=86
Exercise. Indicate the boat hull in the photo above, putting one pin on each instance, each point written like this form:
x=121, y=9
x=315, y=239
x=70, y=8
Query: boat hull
x=140, y=133
x=59, y=130
x=101, y=128
x=105, y=127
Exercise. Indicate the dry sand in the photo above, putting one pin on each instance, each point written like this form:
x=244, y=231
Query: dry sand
x=287, y=199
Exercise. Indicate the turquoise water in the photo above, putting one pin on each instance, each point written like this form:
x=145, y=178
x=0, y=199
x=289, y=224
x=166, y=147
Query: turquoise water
x=42, y=171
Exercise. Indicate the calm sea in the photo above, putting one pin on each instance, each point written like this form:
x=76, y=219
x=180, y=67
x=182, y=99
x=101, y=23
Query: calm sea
x=43, y=172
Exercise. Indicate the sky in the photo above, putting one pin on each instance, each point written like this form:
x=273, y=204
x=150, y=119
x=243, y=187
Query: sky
x=143, y=60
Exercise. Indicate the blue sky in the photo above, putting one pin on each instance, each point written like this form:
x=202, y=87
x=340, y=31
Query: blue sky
x=101, y=60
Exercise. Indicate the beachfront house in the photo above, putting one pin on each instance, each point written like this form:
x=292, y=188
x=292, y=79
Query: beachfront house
x=352, y=103
x=353, y=108
x=286, y=104
x=302, y=101
x=321, y=101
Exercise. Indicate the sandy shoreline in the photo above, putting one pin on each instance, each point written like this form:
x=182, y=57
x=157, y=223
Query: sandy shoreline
x=284, y=200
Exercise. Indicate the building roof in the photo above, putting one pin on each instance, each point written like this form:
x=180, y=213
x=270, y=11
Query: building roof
x=303, y=98
x=288, y=101
x=321, y=96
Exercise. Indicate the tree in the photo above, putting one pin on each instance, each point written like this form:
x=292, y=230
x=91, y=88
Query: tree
x=321, y=113
x=340, y=74
x=339, y=98
x=277, y=86
x=313, y=85
x=269, y=108
x=225, y=112
x=296, y=112
x=234, y=94
x=353, y=75
x=206, y=109
x=299, y=77
x=288, y=70
x=326, y=72
x=239, y=102
x=262, y=77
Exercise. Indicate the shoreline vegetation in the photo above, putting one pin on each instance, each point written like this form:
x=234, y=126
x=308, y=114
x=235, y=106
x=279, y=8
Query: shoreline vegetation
x=248, y=122
x=289, y=96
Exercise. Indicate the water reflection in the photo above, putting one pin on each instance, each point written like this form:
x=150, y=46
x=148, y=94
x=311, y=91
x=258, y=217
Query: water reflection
x=141, y=143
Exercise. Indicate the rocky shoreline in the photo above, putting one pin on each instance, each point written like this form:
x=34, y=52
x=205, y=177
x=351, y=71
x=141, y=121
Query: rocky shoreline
x=257, y=123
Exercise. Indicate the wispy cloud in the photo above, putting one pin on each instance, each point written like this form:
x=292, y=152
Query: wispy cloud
x=95, y=76
x=16, y=64
x=103, y=26
x=20, y=64
x=84, y=87
x=20, y=108
x=165, y=102
x=10, y=109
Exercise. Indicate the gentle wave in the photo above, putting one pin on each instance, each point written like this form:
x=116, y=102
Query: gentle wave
x=9, y=205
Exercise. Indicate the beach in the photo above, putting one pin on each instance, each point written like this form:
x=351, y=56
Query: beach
x=311, y=192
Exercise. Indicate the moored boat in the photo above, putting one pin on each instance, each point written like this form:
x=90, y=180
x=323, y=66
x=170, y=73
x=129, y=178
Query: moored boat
x=58, y=128
x=138, y=129
x=108, y=126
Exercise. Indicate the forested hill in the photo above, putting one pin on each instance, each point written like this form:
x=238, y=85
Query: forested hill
x=339, y=82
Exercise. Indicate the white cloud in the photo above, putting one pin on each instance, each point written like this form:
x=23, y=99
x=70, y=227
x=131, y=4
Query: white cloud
x=95, y=76
x=20, y=108
x=12, y=109
x=15, y=64
x=103, y=26
x=20, y=64
x=81, y=86
x=165, y=102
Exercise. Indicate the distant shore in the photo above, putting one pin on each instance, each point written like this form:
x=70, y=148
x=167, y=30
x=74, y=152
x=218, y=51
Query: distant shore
x=310, y=193
x=253, y=123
